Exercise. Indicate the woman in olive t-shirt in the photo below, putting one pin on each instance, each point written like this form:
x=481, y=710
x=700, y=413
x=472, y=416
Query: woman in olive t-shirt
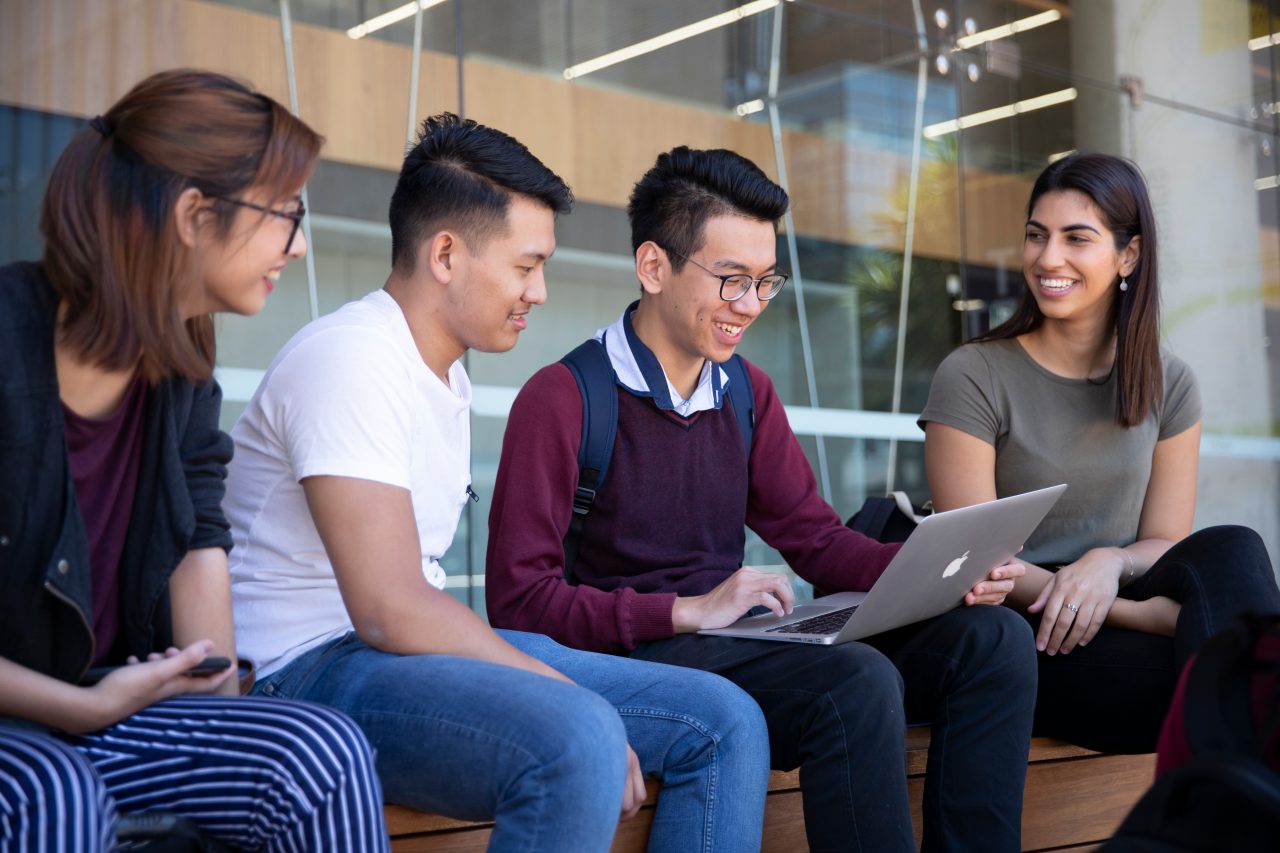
x=1075, y=388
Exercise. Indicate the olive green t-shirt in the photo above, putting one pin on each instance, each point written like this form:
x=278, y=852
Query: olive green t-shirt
x=1048, y=429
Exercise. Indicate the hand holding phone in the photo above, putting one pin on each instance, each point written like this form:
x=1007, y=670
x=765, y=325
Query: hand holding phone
x=211, y=665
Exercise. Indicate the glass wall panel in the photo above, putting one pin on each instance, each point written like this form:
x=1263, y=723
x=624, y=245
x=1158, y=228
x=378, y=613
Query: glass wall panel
x=597, y=88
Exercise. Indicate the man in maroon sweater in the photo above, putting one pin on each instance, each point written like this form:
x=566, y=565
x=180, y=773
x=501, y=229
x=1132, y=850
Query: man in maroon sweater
x=660, y=556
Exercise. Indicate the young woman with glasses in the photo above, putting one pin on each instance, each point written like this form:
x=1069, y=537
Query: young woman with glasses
x=180, y=201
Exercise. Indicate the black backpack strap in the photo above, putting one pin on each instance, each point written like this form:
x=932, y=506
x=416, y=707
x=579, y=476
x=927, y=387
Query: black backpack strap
x=1217, y=709
x=589, y=363
x=873, y=519
x=743, y=401
x=1268, y=626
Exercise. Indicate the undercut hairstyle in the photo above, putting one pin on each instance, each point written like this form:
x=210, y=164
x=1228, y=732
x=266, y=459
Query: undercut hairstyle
x=1116, y=187
x=461, y=176
x=671, y=204
x=111, y=246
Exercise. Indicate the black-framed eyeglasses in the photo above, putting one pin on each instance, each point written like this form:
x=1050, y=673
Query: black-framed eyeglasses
x=294, y=216
x=734, y=287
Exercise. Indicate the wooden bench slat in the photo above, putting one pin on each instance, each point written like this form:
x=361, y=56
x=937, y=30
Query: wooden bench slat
x=405, y=821
x=1074, y=796
x=473, y=840
x=1073, y=802
x=783, y=823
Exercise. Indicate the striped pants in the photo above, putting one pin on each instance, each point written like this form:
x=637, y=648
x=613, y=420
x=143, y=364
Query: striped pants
x=260, y=774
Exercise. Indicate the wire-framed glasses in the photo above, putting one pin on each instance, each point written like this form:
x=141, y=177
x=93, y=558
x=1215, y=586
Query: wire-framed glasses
x=734, y=287
x=294, y=216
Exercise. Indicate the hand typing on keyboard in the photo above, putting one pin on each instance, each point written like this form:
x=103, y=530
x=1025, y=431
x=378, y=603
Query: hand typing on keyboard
x=744, y=589
x=824, y=623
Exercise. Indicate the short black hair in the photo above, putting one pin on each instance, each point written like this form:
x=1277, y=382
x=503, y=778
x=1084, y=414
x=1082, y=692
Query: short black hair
x=671, y=204
x=461, y=175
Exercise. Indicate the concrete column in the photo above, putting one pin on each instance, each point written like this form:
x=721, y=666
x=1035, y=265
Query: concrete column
x=1201, y=173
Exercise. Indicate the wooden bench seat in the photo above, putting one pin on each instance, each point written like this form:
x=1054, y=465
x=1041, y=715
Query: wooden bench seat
x=1075, y=799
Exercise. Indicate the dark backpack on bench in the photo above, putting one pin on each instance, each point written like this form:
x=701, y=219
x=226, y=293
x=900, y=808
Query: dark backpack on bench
x=161, y=832
x=888, y=519
x=1226, y=797
x=589, y=363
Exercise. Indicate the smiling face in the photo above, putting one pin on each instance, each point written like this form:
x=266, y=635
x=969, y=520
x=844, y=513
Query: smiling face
x=1070, y=260
x=696, y=324
x=497, y=285
x=241, y=268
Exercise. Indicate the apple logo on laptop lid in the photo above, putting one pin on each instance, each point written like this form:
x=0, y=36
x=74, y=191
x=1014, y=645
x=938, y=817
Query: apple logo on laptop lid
x=954, y=565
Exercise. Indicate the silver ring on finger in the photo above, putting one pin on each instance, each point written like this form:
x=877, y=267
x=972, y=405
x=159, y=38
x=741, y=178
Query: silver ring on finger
x=1074, y=608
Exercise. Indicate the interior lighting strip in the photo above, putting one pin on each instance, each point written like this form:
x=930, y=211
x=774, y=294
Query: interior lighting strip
x=1009, y=29
x=386, y=19
x=688, y=31
x=1263, y=42
x=942, y=128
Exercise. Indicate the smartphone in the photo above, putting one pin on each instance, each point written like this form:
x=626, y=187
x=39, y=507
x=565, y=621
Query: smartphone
x=208, y=666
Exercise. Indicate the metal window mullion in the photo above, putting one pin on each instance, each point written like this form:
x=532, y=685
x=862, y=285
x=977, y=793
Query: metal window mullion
x=414, y=68
x=286, y=32
x=908, y=249
x=793, y=252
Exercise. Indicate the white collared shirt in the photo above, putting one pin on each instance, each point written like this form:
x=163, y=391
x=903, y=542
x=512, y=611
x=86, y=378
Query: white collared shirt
x=630, y=376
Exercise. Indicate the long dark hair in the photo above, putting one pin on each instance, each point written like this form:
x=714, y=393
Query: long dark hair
x=1117, y=188
x=111, y=247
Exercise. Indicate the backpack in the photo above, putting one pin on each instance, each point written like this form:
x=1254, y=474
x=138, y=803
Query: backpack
x=589, y=363
x=161, y=832
x=888, y=519
x=1225, y=796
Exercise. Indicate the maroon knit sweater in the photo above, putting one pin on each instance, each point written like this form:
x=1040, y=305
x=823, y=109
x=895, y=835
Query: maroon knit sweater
x=668, y=520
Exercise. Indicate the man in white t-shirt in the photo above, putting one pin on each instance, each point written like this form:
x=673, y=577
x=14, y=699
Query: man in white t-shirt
x=350, y=473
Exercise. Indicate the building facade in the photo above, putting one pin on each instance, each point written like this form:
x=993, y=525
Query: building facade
x=908, y=133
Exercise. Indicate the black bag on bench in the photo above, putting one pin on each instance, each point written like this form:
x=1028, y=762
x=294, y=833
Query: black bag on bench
x=161, y=832
x=888, y=519
x=1226, y=796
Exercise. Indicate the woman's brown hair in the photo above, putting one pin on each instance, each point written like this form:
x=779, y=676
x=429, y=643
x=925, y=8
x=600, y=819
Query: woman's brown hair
x=111, y=246
x=1117, y=188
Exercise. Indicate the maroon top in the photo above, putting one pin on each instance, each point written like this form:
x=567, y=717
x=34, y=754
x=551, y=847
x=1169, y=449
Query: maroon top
x=668, y=520
x=104, y=466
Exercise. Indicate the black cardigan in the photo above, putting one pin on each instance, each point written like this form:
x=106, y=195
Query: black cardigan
x=45, y=597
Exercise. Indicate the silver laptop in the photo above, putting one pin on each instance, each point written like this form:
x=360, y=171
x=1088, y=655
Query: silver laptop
x=945, y=556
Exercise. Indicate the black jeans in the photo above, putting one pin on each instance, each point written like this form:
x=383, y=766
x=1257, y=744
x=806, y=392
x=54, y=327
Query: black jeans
x=840, y=713
x=1113, y=694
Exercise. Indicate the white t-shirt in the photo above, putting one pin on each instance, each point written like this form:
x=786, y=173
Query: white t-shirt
x=348, y=396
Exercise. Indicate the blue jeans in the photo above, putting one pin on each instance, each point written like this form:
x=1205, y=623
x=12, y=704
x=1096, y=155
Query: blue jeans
x=545, y=759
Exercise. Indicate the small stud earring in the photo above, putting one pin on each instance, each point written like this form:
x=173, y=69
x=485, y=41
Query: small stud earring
x=1124, y=284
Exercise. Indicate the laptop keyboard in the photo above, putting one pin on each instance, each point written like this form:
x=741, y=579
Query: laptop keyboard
x=827, y=623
